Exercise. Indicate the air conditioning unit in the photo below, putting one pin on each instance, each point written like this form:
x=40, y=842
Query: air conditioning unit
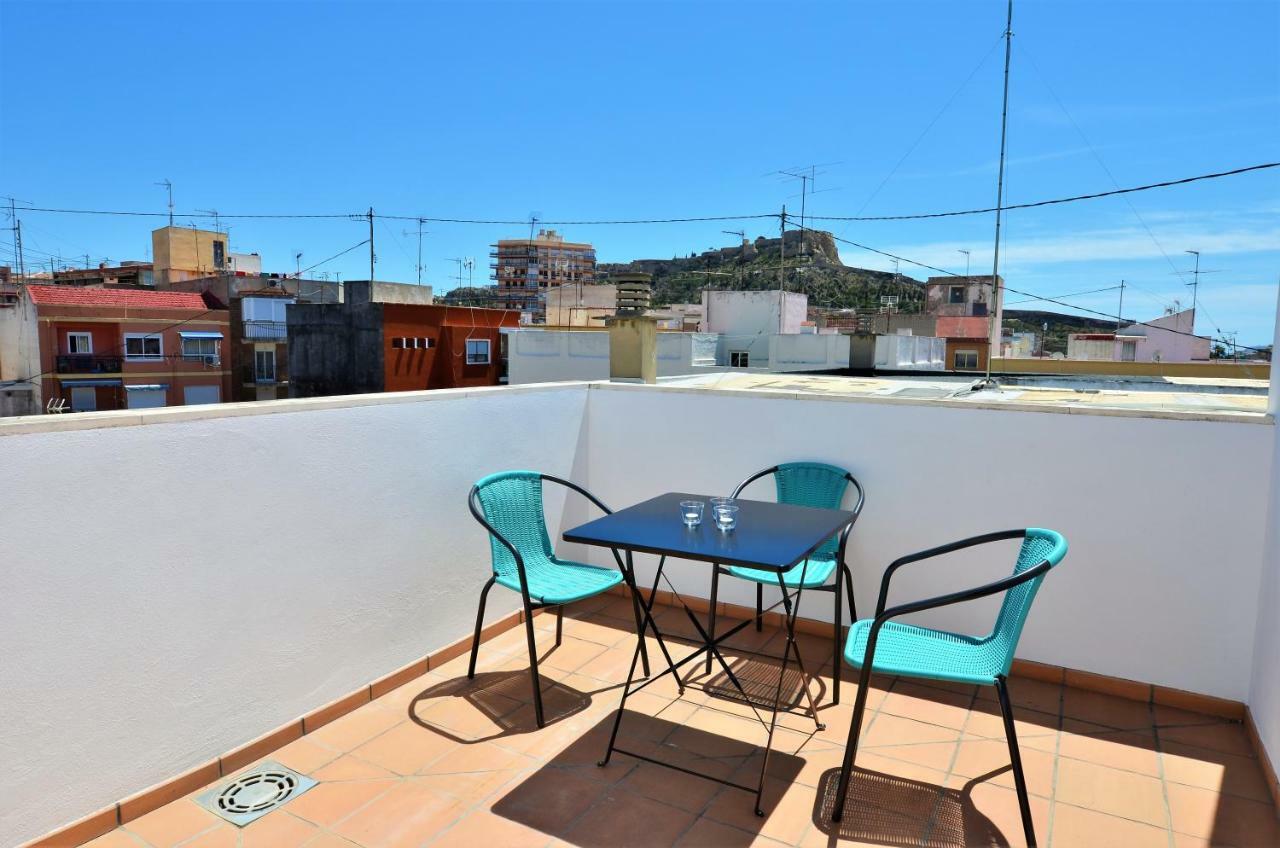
x=212, y=359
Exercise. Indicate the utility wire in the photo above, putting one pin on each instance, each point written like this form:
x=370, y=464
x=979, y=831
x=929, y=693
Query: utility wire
x=298, y=274
x=1006, y=288
x=1055, y=201
x=1073, y=294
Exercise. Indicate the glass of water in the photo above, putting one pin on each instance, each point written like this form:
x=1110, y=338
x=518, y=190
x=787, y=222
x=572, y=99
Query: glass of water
x=691, y=512
x=726, y=515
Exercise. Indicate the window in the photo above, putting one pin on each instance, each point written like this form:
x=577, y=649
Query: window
x=200, y=348
x=1128, y=351
x=219, y=253
x=965, y=360
x=477, y=351
x=412, y=343
x=956, y=295
x=739, y=359
x=264, y=366
x=140, y=346
x=79, y=343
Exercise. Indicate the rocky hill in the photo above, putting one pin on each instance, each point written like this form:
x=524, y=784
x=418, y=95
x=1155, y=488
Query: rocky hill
x=812, y=265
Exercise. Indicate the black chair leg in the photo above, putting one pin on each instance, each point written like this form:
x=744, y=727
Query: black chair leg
x=835, y=643
x=1015, y=757
x=533, y=665
x=559, y=624
x=759, y=607
x=851, y=747
x=475, y=642
x=711, y=616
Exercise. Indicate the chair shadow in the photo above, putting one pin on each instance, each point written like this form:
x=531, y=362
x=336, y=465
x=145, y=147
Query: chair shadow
x=885, y=809
x=552, y=799
x=493, y=693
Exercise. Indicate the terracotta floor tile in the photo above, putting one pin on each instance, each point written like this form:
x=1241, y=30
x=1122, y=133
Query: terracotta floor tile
x=1128, y=750
x=407, y=814
x=932, y=706
x=1074, y=827
x=118, y=838
x=222, y=836
x=622, y=819
x=348, y=767
x=1229, y=738
x=482, y=829
x=328, y=840
x=1028, y=694
x=681, y=790
x=979, y=757
x=1111, y=791
x=1223, y=819
x=571, y=655
x=890, y=730
x=277, y=829
x=1106, y=710
x=550, y=800
x=173, y=823
x=1215, y=771
x=1033, y=729
x=329, y=803
x=303, y=755
x=354, y=729
x=405, y=749
x=988, y=815
x=707, y=833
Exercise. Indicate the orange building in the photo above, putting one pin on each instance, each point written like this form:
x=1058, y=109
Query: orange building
x=361, y=345
x=125, y=348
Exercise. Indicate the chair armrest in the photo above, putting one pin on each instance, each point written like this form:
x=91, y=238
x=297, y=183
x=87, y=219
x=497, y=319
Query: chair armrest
x=569, y=484
x=951, y=547
x=754, y=477
x=1002, y=585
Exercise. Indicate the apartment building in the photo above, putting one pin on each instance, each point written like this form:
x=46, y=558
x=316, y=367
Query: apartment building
x=87, y=349
x=1169, y=338
x=363, y=345
x=524, y=267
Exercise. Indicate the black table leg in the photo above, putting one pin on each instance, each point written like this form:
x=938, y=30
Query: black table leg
x=791, y=611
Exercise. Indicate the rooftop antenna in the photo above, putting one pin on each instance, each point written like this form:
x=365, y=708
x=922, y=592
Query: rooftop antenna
x=807, y=175
x=1120, y=310
x=421, y=221
x=993, y=331
x=461, y=260
x=966, y=263
x=297, y=259
x=168, y=186
x=214, y=214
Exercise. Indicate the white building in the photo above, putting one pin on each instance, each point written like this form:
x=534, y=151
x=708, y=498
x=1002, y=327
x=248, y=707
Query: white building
x=1166, y=339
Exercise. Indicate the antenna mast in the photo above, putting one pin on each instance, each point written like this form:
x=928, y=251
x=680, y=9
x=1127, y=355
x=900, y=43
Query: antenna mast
x=992, y=331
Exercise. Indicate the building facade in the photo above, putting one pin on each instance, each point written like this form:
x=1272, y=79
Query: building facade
x=136, y=274
x=524, y=267
x=363, y=345
x=88, y=349
x=1169, y=338
x=185, y=253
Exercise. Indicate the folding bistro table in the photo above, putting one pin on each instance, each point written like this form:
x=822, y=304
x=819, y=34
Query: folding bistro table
x=769, y=536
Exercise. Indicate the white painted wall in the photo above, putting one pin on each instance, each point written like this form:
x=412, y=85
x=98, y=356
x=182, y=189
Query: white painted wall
x=544, y=356
x=808, y=352
x=172, y=591
x=1163, y=571
x=1264, y=691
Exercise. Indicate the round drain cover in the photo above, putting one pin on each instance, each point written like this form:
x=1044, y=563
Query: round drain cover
x=256, y=792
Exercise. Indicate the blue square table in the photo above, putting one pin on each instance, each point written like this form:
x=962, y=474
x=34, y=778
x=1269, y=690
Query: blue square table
x=769, y=536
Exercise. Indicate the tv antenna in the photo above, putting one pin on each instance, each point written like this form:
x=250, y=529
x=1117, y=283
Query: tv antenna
x=168, y=186
x=420, y=233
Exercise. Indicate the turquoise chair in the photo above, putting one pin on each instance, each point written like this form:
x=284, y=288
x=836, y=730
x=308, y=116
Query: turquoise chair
x=817, y=485
x=908, y=650
x=509, y=506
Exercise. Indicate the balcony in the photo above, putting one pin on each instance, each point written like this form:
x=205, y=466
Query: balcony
x=327, y=627
x=265, y=331
x=87, y=363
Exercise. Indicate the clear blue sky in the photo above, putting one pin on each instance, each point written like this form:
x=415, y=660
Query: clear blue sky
x=655, y=109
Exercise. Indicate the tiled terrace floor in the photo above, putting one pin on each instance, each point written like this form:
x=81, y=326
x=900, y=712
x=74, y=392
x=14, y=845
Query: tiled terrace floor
x=444, y=761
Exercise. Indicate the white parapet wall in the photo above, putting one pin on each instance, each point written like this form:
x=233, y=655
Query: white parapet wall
x=1162, y=579
x=540, y=356
x=172, y=590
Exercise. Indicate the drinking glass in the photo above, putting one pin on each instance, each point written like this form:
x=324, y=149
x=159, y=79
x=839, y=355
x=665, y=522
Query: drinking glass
x=726, y=515
x=691, y=512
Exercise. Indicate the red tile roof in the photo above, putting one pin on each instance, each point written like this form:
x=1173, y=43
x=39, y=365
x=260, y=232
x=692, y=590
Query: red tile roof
x=119, y=298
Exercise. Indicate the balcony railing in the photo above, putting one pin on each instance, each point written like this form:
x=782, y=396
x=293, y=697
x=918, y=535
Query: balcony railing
x=87, y=363
x=266, y=330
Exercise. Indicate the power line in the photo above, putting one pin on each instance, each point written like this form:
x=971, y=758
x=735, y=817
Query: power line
x=1055, y=201
x=299, y=274
x=1073, y=294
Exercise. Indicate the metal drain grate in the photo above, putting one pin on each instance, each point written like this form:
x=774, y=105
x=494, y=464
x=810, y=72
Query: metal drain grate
x=254, y=794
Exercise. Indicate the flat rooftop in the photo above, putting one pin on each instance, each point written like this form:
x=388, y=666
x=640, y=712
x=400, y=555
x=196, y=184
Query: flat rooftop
x=1172, y=396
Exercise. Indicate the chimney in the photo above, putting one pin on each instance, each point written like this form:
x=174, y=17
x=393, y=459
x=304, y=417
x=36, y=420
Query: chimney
x=633, y=336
